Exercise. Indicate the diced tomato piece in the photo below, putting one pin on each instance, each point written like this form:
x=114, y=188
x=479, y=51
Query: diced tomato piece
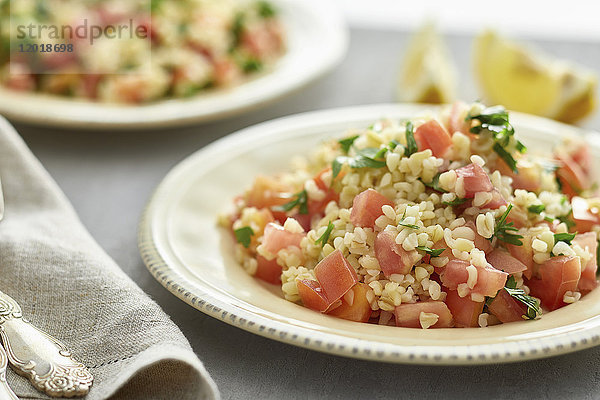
x=481, y=243
x=276, y=238
x=489, y=281
x=407, y=315
x=583, y=158
x=312, y=295
x=318, y=207
x=366, y=208
x=267, y=192
x=89, y=85
x=21, y=78
x=528, y=177
x=359, y=310
x=502, y=260
x=393, y=259
x=558, y=275
x=336, y=276
x=226, y=72
x=454, y=273
x=303, y=219
x=518, y=217
x=432, y=135
x=456, y=119
x=507, y=309
x=571, y=175
x=261, y=40
x=588, y=241
x=268, y=270
x=523, y=253
x=475, y=180
x=582, y=215
x=497, y=200
x=464, y=310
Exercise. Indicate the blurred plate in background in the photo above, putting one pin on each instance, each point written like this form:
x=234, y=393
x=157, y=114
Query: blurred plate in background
x=317, y=40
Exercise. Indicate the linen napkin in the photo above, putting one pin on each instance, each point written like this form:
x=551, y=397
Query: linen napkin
x=69, y=287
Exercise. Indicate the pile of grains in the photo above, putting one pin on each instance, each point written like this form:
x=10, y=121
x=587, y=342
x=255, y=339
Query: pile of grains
x=435, y=222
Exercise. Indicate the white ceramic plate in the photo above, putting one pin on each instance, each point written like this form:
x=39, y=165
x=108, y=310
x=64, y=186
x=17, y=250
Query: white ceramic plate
x=316, y=41
x=186, y=252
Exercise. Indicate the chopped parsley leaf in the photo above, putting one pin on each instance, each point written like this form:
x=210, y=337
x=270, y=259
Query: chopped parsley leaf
x=411, y=226
x=564, y=237
x=244, y=235
x=456, y=202
x=300, y=200
x=324, y=238
x=533, y=304
x=237, y=29
x=252, y=65
x=536, y=208
x=495, y=120
x=431, y=252
x=503, y=230
x=365, y=158
x=565, y=219
x=411, y=143
x=393, y=144
x=347, y=143
x=434, y=184
x=266, y=10
x=598, y=258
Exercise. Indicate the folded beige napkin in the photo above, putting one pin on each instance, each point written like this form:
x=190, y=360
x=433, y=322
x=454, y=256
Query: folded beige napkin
x=69, y=287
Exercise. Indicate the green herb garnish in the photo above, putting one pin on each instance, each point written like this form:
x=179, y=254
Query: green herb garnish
x=324, y=238
x=365, y=158
x=237, y=30
x=431, y=252
x=347, y=143
x=503, y=230
x=393, y=144
x=536, y=208
x=265, y=9
x=565, y=219
x=533, y=304
x=252, y=65
x=548, y=219
x=244, y=235
x=456, y=202
x=300, y=200
x=564, y=237
x=411, y=143
x=435, y=184
x=411, y=226
x=495, y=120
x=598, y=258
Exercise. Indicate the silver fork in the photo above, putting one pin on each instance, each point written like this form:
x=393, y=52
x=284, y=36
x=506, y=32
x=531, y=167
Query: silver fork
x=33, y=353
x=5, y=390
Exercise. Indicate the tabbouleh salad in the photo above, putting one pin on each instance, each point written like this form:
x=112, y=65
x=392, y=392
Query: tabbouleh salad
x=434, y=222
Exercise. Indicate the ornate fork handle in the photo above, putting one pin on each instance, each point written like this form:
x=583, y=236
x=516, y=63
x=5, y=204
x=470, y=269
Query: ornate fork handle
x=45, y=361
x=5, y=390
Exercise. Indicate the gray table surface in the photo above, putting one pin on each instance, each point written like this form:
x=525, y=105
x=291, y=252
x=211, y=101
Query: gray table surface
x=109, y=176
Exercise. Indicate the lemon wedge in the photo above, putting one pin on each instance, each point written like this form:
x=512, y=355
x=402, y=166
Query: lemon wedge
x=427, y=74
x=523, y=79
